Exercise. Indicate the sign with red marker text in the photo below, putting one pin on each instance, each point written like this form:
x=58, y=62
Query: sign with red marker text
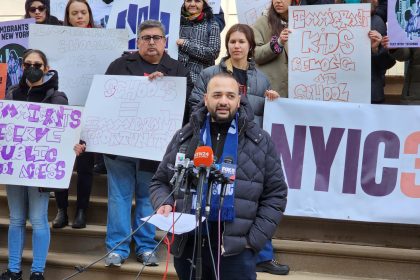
x=348, y=161
x=36, y=143
x=133, y=116
x=329, y=53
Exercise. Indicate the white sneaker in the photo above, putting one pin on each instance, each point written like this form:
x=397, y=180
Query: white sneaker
x=113, y=259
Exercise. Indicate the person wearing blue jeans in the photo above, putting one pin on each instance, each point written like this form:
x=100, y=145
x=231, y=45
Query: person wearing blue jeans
x=266, y=263
x=23, y=202
x=125, y=179
x=38, y=84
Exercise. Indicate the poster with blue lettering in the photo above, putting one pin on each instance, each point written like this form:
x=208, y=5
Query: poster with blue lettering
x=129, y=14
x=404, y=23
x=13, y=42
x=36, y=143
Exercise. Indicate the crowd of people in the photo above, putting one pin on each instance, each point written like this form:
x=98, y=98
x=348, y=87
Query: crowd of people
x=224, y=109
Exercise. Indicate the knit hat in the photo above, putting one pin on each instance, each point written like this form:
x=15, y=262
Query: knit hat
x=28, y=4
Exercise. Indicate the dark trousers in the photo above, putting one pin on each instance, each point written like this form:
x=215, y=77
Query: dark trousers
x=84, y=168
x=237, y=267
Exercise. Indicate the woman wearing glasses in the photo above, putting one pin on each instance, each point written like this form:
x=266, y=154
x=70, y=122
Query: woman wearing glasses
x=77, y=14
x=199, y=37
x=40, y=11
x=38, y=84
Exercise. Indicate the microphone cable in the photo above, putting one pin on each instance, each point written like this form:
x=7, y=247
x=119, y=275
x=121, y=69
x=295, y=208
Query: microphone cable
x=80, y=269
x=211, y=250
x=160, y=242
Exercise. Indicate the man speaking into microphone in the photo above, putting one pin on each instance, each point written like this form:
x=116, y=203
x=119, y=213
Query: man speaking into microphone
x=244, y=215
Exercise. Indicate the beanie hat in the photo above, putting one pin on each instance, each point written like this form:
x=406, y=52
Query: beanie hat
x=28, y=4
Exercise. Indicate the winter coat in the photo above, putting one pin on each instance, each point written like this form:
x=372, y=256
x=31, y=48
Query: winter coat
x=201, y=46
x=260, y=191
x=45, y=93
x=257, y=84
x=275, y=66
x=381, y=62
x=411, y=89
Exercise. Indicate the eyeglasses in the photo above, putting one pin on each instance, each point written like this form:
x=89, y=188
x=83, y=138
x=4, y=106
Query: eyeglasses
x=39, y=8
x=35, y=65
x=147, y=38
x=196, y=1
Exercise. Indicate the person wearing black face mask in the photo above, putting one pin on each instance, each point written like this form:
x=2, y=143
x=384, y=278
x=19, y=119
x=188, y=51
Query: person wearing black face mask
x=38, y=84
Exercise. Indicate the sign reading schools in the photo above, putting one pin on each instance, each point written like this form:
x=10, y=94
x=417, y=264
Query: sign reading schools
x=329, y=50
x=348, y=161
x=132, y=116
x=129, y=14
x=36, y=143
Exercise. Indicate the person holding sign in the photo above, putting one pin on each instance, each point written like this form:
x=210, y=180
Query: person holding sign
x=40, y=11
x=410, y=94
x=38, y=84
x=129, y=176
x=271, y=36
x=77, y=14
x=199, y=43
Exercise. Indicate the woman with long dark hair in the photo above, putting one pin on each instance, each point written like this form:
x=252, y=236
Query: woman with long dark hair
x=271, y=36
x=199, y=37
x=40, y=11
x=77, y=14
x=38, y=84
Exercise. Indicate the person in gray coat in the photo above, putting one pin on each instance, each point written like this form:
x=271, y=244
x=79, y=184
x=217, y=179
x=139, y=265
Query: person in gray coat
x=239, y=62
x=253, y=209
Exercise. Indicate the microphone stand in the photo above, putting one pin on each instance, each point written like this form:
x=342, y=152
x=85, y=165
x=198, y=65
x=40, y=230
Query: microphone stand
x=198, y=216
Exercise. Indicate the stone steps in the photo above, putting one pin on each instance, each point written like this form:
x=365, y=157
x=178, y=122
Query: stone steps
x=62, y=265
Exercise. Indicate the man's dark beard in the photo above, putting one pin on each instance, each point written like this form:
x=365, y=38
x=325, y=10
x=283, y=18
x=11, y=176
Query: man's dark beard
x=219, y=120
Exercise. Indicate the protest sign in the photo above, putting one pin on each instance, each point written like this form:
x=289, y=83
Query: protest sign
x=250, y=10
x=132, y=116
x=3, y=78
x=403, y=23
x=13, y=42
x=215, y=5
x=36, y=143
x=348, y=161
x=329, y=53
x=77, y=54
x=129, y=14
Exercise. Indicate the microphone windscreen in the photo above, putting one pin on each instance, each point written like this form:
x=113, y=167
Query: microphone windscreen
x=203, y=156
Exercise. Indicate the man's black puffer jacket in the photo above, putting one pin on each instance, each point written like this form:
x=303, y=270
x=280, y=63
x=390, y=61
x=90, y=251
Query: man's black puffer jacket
x=260, y=191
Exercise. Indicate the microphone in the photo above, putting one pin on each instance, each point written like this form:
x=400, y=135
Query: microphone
x=203, y=160
x=226, y=180
x=179, y=164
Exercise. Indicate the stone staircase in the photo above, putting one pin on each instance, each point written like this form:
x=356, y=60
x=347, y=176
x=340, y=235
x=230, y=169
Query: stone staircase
x=315, y=249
